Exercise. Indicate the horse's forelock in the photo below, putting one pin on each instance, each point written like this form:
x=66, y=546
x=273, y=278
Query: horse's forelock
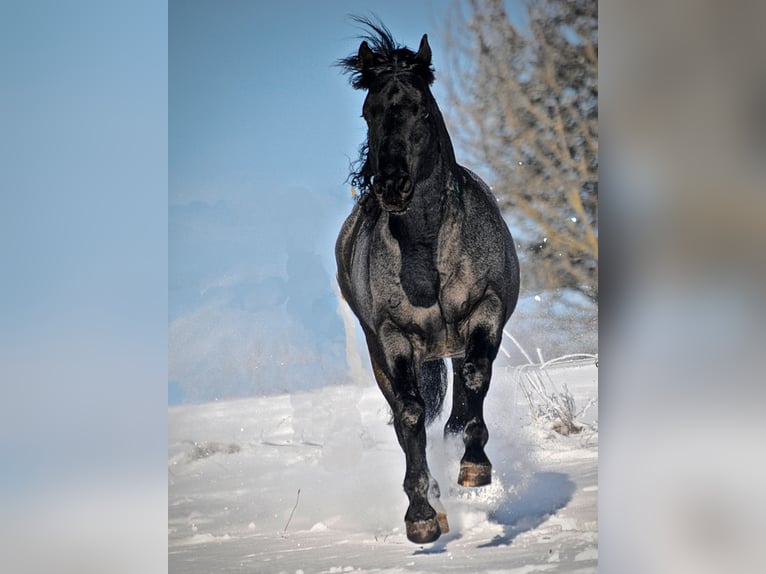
x=389, y=58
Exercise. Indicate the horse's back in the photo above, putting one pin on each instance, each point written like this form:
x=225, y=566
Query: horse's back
x=486, y=239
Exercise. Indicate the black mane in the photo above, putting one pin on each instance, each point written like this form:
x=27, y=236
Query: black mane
x=390, y=57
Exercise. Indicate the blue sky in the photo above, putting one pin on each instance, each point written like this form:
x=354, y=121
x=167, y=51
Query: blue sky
x=83, y=240
x=255, y=101
x=262, y=128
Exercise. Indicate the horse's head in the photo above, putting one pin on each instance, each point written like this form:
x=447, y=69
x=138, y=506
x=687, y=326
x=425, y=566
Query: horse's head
x=401, y=136
x=404, y=125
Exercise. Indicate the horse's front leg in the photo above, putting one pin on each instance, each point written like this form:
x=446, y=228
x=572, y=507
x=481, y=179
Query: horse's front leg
x=472, y=375
x=396, y=371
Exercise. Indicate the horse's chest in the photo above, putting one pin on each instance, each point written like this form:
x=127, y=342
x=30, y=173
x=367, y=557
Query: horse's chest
x=403, y=277
x=407, y=284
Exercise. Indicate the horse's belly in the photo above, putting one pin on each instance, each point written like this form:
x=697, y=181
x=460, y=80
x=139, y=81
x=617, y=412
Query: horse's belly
x=445, y=348
x=428, y=331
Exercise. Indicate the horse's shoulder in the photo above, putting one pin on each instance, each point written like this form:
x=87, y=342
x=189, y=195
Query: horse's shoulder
x=351, y=219
x=350, y=226
x=475, y=185
x=344, y=242
x=353, y=242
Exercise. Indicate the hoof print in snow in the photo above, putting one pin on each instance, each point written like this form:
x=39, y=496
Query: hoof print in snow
x=202, y=450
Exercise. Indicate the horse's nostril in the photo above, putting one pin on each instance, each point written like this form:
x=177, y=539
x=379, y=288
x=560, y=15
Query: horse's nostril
x=405, y=186
x=391, y=185
x=394, y=191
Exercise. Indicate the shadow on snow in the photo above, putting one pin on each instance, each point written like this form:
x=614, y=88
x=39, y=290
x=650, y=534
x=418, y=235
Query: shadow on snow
x=548, y=492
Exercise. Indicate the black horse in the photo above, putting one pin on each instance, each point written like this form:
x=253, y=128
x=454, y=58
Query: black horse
x=428, y=266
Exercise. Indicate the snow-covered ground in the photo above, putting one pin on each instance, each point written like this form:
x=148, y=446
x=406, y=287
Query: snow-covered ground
x=311, y=482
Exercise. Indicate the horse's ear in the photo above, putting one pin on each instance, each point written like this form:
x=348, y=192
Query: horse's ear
x=424, y=52
x=366, y=57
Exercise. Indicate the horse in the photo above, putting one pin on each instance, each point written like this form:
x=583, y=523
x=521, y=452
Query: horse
x=427, y=265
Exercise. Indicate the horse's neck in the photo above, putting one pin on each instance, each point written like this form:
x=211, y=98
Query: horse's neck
x=420, y=224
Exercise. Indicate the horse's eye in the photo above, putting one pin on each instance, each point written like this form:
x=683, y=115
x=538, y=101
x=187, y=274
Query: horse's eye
x=426, y=116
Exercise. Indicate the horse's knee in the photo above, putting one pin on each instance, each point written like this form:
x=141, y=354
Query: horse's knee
x=411, y=415
x=476, y=373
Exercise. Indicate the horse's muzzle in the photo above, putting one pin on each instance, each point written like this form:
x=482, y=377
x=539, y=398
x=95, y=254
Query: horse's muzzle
x=393, y=192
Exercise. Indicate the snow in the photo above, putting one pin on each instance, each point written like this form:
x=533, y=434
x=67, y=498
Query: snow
x=311, y=482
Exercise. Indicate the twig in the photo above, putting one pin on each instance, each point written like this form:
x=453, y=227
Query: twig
x=547, y=402
x=292, y=511
x=518, y=346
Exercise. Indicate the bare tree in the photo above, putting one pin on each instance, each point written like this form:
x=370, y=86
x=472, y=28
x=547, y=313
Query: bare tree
x=525, y=98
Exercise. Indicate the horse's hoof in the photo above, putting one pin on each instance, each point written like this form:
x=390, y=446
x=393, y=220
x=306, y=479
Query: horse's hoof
x=441, y=518
x=423, y=531
x=472, y=474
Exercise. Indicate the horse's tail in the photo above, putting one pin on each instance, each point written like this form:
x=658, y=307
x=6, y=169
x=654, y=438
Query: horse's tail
x=434, y=387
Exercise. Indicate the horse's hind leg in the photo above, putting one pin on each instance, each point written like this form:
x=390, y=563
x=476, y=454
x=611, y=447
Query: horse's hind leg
x=459, y=414
x=396, y=375
x=472, y=375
